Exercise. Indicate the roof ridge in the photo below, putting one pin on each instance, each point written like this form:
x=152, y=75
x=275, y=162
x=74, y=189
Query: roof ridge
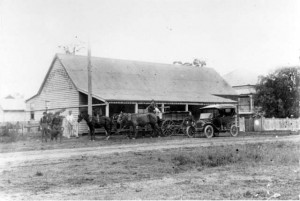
x=129, y=60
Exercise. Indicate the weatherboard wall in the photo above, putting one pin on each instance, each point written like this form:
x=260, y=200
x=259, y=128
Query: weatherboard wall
x=57, y=92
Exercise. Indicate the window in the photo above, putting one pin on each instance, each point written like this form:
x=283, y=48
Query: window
x=244, y=104
x=31, y=115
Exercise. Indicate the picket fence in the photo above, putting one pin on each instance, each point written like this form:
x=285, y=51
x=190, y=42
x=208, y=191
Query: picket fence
x=280, y=124
x=269, y=124
x=19, y=127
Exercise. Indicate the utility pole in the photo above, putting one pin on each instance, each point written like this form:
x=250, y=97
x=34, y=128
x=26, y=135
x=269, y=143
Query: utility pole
x=89, y=81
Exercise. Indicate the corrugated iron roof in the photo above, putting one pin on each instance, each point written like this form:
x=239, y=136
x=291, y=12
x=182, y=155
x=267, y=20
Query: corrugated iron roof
x=245, y=90
x=114, y=79
x=241, y=77
x=223, y=106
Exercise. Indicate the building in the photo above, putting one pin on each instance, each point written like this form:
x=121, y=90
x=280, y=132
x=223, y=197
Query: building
x=12, y=109
x=243, y=82
x=128, y=86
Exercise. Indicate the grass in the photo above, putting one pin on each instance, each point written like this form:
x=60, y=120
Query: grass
x=13, y=137
x=268, y=153
x=235, y=172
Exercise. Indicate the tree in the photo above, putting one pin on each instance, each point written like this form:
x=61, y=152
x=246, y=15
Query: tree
x=277, y=94
x=196, y=62
x=73, y=47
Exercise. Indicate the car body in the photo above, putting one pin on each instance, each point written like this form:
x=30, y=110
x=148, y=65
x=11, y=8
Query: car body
x=215, y=119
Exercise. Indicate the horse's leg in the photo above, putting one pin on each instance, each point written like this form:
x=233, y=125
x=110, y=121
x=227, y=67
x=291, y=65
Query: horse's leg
x=60, y=135
x=135, y=131
x=108, y=134
x=45, y=135
x=93, y=135
x=154, y=130
x=158, y=130
x=107, y=131
x=42, y=134
x=129, y=133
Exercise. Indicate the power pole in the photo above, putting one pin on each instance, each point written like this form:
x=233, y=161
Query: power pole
x=89, y=81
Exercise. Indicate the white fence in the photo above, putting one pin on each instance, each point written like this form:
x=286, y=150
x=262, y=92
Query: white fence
x=242, y=124
x=268, y=124
x=19, y=126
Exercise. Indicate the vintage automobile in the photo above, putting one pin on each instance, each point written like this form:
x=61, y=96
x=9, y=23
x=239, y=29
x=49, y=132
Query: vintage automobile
x=213, y=120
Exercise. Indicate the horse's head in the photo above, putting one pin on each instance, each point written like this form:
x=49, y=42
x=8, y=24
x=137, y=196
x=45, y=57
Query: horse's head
x=122, y=118
x=82, y=116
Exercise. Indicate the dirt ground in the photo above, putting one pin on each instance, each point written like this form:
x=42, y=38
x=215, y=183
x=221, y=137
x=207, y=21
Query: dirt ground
x=145, y=169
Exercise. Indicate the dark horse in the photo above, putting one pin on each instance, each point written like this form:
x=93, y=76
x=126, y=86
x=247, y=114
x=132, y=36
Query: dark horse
x=94, y=122
x=134, y=120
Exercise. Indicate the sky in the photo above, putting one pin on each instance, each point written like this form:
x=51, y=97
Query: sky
x=256, y=35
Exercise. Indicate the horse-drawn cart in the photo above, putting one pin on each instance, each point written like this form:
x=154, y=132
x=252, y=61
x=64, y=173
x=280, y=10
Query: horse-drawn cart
x=175, y=122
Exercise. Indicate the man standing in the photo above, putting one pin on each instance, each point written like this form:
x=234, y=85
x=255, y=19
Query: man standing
x=44, y=125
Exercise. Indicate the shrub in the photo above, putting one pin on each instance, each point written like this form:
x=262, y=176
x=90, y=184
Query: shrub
x=9, y=137
x=38, y=173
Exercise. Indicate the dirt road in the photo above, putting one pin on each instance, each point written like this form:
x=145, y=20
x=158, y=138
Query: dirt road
x=9, y=160
x=167, y=168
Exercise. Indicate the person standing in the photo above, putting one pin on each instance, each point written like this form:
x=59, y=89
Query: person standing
x=71, y=125
x=44, y=125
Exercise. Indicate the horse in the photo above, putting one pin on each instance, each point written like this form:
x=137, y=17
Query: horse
x=97, y=122
x=55, y=131
x=134, y=120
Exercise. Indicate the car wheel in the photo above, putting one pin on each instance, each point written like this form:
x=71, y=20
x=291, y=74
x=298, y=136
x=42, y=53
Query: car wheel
x=190, y=131
x=209, y=131
x=234, y=131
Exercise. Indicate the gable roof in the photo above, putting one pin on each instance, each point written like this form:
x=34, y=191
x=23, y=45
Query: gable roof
x=115, y=79
x=241, y=77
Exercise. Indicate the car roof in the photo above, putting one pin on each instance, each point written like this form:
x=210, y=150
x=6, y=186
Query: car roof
x=219, y=106
x=177, y=112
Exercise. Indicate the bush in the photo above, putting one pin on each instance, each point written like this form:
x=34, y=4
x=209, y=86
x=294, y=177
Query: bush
x=8, y=138
x=38, y=173
x=4, y=131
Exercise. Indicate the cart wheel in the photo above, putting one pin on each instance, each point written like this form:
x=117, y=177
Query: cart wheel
x=234, y=131
x=209, y=131
x=190, y=131
x=167, y=127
